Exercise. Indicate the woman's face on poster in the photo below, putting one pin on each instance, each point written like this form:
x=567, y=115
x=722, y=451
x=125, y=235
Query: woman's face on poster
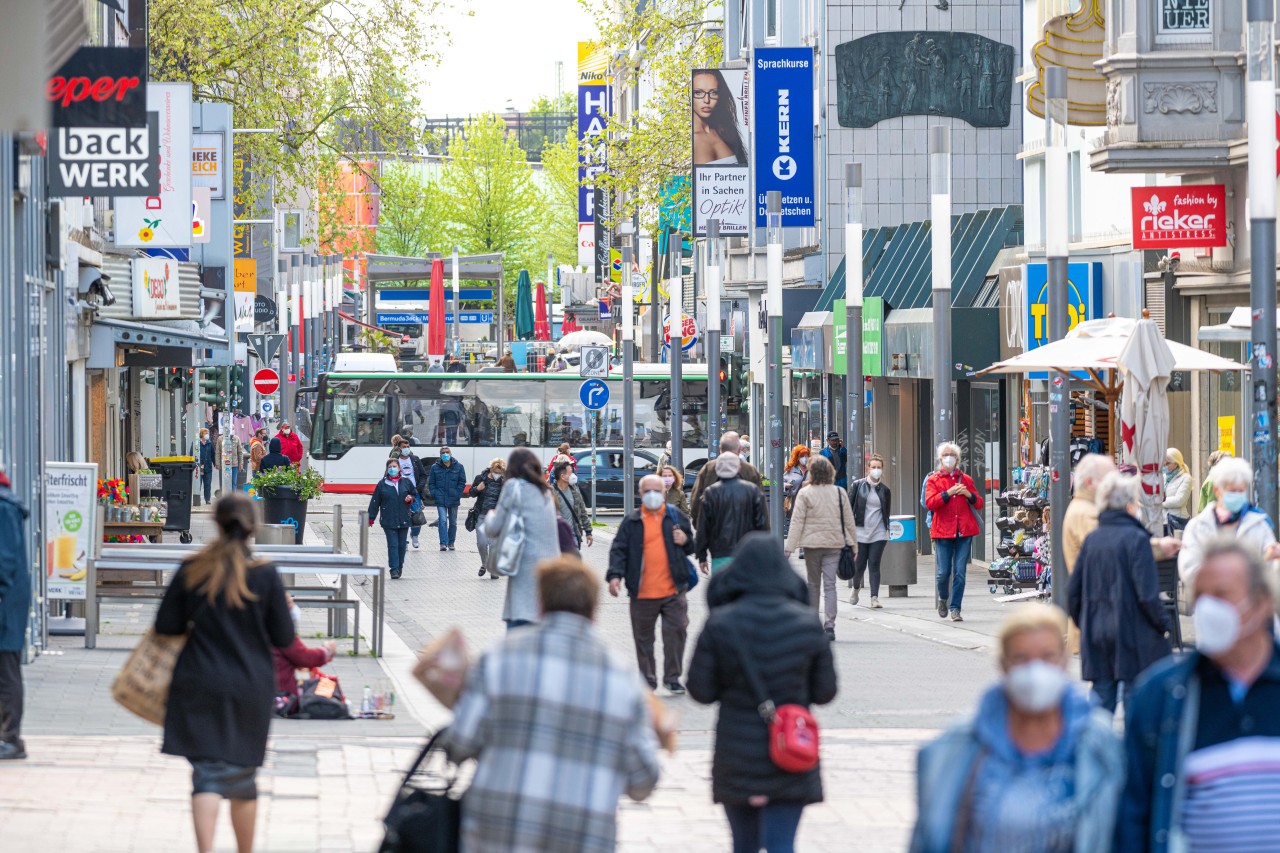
x=706, y=94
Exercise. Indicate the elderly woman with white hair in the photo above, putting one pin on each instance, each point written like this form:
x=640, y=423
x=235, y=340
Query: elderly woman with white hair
x=954, y=500
x=1114, y=594
x=1231, y=513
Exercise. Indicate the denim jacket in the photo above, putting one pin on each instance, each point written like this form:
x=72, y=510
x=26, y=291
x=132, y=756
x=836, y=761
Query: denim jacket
x=945, y=769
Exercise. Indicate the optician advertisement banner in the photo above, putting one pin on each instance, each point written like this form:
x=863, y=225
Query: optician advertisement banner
x=70, y=516
x=595, y=102
x=163, y=220
x=719, y=117
x=782, y=93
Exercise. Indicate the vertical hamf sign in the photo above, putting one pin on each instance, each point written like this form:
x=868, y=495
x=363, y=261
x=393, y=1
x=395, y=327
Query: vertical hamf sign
x=782, y=99
x=595, y=102
x=163, y=220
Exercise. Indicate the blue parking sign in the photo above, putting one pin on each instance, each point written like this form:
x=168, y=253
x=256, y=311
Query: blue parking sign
x=594, y=394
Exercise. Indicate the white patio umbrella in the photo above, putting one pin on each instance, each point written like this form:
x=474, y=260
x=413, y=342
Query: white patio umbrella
x=576, y=340
x=1147, y=363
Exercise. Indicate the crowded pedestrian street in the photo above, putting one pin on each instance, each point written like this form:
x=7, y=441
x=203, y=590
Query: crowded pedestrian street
x=581, y=426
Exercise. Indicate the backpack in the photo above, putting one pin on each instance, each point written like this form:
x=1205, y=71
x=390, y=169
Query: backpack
x=317, y=700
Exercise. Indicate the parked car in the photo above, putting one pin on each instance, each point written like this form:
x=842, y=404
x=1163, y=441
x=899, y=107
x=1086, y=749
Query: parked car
x=608, y=474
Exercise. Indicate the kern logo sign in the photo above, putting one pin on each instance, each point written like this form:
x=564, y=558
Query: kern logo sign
x=104, y=161
x=1190, y=215
x=782, y=92
x=155, y=288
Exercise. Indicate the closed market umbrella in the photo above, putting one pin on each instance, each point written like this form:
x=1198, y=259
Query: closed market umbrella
x=1147, y=363
x=570, y=324
x=524, y=307
x=436, y=309
x=541, y=326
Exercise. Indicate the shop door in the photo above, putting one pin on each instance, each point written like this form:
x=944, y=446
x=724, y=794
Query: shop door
x=982, y=458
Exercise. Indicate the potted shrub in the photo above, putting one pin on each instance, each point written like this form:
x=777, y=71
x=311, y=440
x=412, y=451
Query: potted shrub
x=285, y=492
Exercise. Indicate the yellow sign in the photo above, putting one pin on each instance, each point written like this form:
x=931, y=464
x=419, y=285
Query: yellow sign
x=593, y=64
x=1227, y=434
x=246, y=275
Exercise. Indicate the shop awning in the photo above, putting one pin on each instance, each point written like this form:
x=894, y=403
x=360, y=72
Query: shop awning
x=1237, y=329
x=873, y=243
x=903, y=275
x=164, y=333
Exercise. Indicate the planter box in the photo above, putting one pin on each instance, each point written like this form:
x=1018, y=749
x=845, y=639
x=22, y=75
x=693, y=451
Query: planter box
x=281, y=505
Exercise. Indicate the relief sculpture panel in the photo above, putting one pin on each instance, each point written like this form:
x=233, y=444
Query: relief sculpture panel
x=960, y=75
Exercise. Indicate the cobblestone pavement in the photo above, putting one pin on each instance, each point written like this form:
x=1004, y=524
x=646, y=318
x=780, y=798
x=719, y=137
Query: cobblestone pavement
x=97, y=782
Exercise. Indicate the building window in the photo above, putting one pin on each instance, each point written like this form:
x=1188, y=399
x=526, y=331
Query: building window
x=744, y=24
x=771, y=21
x=291, y=230
x=1184, y=21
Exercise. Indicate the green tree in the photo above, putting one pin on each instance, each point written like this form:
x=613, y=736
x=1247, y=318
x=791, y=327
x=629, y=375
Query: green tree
x=408, y=213
x=560, y=199
x=649, y=149
x=487, y=197
x=327, y=76
x=565, y=102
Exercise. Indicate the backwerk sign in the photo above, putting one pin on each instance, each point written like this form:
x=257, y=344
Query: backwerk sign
x=782, y=95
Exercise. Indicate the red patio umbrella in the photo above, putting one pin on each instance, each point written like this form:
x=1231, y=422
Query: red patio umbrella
x=569, y=324
x=436, y=308
x=541, y=327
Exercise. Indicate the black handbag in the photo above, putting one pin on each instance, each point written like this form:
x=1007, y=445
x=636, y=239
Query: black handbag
x=848, y=565
x=426, y=818
x=473, y=517
x=418, y=519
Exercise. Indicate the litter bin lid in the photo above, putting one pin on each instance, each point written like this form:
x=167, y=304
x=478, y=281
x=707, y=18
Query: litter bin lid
x=902, y=528
x=172, y=459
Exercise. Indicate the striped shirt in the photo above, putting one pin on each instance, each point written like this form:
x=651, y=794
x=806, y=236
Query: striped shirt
x=1233, y=796
x=560, y=730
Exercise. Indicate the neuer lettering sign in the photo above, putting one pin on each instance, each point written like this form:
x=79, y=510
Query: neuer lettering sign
x=1189, y=215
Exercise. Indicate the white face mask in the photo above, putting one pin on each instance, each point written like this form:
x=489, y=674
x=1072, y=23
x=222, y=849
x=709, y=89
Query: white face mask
x=295, y=612
x=573, y=479
x=652, y=501
x=875, y=473
x=1035, y=687
x=1217, y=624
x=949, y=462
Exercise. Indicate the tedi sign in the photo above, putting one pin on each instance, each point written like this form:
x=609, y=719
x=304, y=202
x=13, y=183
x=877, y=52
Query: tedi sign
x=1191, y=215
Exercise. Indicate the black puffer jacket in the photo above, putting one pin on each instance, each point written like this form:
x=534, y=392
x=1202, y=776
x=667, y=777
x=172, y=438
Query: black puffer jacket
x=760, y=608
x=486, y=498
x=730, y=510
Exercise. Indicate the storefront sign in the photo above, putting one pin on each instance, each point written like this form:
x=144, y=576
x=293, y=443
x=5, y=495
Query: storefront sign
x=103, y=87
x=1084, y=301
x=595, y=102
x=208, y=162
x=1227, y=434
x=807, y=349
x=70, y=522
x=688, y=331
x=163, y=219
x=103, y=161
x=782, y=94
x=201, y=211
x=586, y=243
x=1184, y=18
x=718, y=122
x=872, y=336
x=413, y=318
x=246, y=291
x=155, y=288
x=1189, y=215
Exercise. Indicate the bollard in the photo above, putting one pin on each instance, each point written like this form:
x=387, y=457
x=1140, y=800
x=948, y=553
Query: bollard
x=338, y=618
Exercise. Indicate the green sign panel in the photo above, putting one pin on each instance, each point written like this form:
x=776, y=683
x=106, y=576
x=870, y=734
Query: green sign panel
x=872, y=335
x=872, y=332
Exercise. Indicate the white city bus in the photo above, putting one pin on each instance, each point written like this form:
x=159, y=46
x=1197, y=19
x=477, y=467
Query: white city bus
x=481, y=416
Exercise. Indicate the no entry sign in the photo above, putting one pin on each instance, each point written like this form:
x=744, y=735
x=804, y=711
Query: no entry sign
x=266, y=381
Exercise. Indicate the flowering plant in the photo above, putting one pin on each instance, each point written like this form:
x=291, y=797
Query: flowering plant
x=113, y=491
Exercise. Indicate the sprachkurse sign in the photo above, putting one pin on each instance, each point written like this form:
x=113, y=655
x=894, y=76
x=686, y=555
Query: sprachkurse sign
x=102, y=143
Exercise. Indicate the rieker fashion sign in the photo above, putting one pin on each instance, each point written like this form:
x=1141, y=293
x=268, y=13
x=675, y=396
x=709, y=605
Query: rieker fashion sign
x=1189, y=215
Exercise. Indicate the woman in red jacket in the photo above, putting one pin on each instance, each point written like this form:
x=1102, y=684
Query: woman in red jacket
x=954, y=500
x=298, y=655
x=290, y=444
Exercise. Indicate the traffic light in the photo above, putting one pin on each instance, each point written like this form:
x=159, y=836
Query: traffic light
x=723, y=378
x=189, y=388
x=213, y=386
x=175, y=379
x=238, y=390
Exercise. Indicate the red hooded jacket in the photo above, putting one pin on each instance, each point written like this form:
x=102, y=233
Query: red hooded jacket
x=291, y=446
x=295, y=657
x=952, y=514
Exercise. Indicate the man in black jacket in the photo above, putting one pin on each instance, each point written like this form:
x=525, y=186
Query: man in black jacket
x=731, y=508
x=650, y=555
x=730, y=442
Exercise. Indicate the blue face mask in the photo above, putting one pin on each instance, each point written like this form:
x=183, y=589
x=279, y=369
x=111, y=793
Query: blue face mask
x=445, y=457
x=1235, y=501
x=393, y=473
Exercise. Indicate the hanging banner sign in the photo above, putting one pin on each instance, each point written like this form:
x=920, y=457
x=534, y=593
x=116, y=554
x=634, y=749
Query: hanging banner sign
x=208, y=162
x=718, y=122
x=104, y=161
x=1084, y=302
x=102, y=87
x=782, y=95
x=163, y=219
x=70, y=518
x=1189, y=215
x=595, y=102
x=155, y=288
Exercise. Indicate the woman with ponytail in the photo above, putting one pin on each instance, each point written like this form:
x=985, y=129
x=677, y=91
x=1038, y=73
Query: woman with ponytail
x=233, y=610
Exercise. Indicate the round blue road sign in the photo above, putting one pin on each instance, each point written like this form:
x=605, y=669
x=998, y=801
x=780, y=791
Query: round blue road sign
x=594, y=394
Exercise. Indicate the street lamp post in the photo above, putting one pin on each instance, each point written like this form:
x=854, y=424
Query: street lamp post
x=628, y=393
x=295, y=330
x=712, y=255
x=457, y=301
x=853, y=316
x=1260, y=97
x=773, y=296
x=1055, y=248
x=675, y=351
x=940, y=213
x=282, y=328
